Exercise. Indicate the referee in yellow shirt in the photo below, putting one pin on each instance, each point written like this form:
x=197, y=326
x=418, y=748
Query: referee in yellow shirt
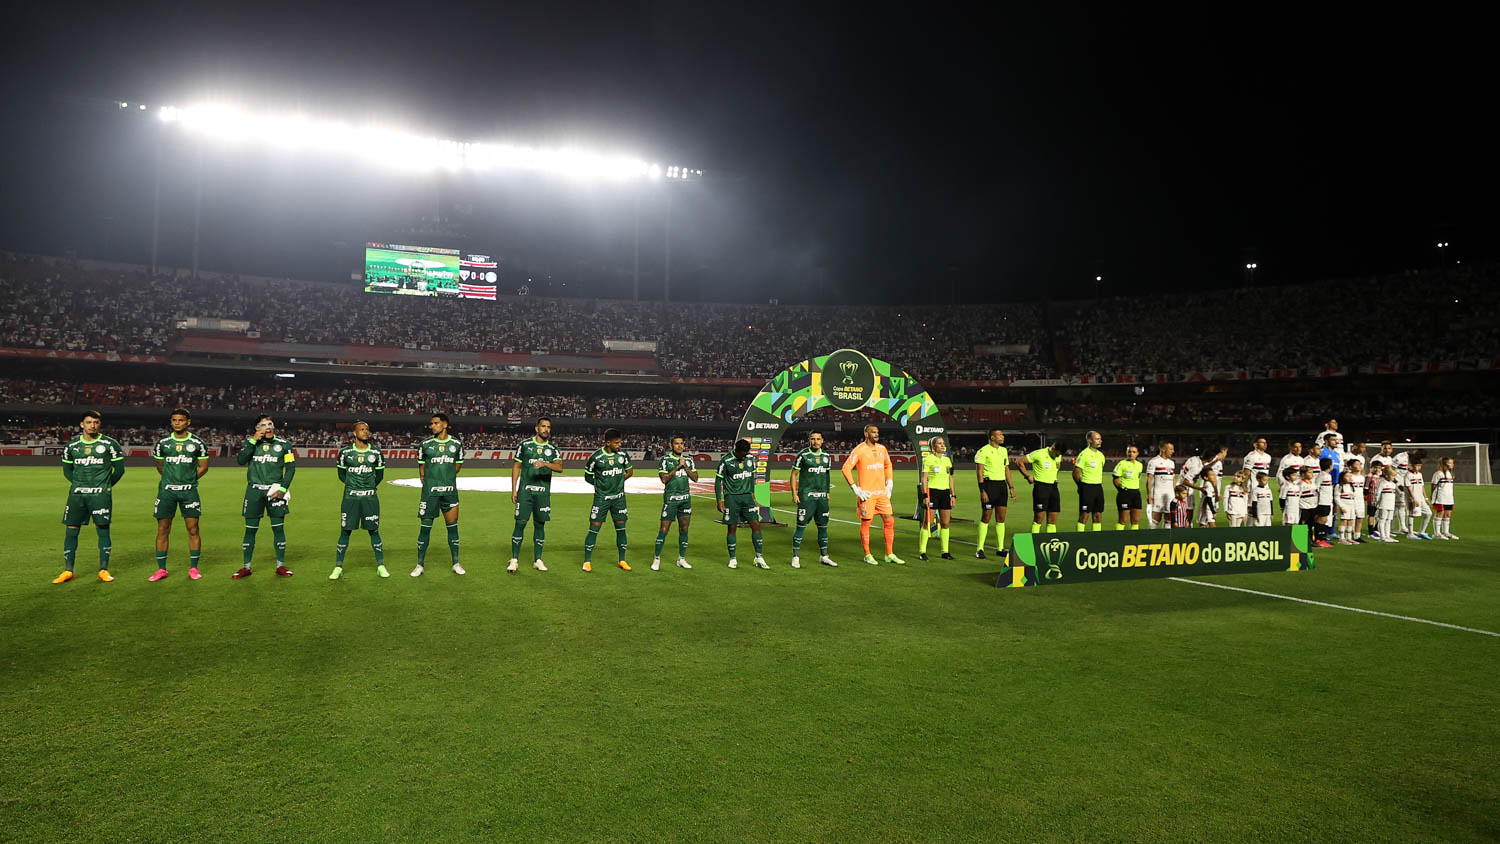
x=938, y=496
x=992, y=466
x=1088, y=475
x=1042, y=475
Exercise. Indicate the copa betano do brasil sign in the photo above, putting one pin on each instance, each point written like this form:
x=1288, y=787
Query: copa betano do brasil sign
x=1054, y=558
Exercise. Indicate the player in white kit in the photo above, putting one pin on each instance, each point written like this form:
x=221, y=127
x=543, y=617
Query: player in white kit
x=1442, y=498
x=1160, y=471
x=1263, y=495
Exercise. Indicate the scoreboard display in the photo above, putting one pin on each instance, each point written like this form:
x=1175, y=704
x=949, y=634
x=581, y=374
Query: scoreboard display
x=393, y=268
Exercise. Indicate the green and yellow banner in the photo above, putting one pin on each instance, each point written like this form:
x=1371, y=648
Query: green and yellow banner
x=1044, y=559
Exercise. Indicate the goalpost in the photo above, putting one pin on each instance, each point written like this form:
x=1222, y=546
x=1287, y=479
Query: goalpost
x=1471, y=461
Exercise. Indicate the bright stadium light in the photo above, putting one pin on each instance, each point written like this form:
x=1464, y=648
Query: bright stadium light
x=393, y=148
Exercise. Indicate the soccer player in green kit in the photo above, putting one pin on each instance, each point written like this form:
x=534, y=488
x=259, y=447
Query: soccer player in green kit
x=810, y=494
x=677, y=473
x=531, y=474
x=270, y=463
x=361, y=469
x=734, y=488
x=606, y=471
x=440, y=458
x=1042, y=476
x=1088, y=476
x=181, y=459
x=93, y=464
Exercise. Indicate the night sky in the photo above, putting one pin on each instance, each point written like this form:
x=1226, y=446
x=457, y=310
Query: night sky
x=875, y=155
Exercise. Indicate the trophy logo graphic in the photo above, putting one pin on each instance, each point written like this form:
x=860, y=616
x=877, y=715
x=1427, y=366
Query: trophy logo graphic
x=1053, y=552
x=849, y=367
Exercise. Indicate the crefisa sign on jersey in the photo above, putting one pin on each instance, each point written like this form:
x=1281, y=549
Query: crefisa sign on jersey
x=847, y=380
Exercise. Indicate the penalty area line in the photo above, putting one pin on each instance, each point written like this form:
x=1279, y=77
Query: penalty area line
x=1339, y=607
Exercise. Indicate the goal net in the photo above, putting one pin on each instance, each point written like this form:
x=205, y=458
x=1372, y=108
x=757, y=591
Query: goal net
x=1471, y=461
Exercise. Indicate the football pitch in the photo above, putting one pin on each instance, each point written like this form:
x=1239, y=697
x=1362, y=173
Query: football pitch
x=859, y=703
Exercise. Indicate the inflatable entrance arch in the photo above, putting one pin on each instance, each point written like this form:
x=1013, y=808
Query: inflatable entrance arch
x=846, y=380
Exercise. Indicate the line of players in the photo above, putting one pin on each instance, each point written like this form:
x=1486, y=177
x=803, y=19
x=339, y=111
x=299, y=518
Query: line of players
x=1310, y=488
x=93, y=464
x=1328, y=489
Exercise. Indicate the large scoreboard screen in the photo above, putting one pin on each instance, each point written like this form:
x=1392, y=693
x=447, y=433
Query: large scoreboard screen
x=411, y=270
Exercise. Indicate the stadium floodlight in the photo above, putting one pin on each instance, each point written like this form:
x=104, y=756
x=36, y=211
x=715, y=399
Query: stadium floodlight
x=124, y=104
x=1251, y=266
x=393, y=148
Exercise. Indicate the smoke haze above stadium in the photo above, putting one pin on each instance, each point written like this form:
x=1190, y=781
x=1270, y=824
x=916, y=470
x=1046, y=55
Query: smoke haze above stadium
x=995, y=155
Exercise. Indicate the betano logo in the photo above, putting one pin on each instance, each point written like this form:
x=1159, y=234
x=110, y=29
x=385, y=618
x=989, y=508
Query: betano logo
x=752, y=425
x=924, y=429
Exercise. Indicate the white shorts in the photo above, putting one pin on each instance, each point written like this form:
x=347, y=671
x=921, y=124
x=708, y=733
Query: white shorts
x=1420, y=511
x=1360, y=508
x=1290, y=516
x=1263, y=519
x=1161, y=502
x=1347, y=512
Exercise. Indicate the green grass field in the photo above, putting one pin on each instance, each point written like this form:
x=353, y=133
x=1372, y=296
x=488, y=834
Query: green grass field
x=858, y=703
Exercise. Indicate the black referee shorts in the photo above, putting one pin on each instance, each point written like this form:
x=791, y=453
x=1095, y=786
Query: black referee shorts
x=1044, y=498
x=998, y=492
x=1128, y=499
x=942, y=499
x=1091, y=498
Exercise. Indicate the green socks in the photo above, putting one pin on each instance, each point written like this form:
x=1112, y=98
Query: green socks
x=823, y=539
x=453, y=542
x=538, y=538
x=106, y=544
x=376, y=546
x=984, y=532
x=661, y=539
x=278, y=535
x=1052, y=528
x=161, y=559
x=1098, y=526
x=797, y=539
x=681, y=543
x=517, y=534
x=247, y=545
x=730, y=540
x=588, y=542
x=342, y=547
x=193, y=557
x=620, y=540
x=759, y=542
x=922, y=540
x=1036, y=527
x=424, y=535
x=70, y=546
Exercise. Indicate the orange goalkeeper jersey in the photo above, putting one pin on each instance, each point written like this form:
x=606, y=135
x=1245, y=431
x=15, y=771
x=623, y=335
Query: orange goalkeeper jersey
x=873, y=465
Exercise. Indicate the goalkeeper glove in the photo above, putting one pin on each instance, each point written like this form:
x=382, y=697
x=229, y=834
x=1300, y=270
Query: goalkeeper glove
x=861, y=493
x=889, y=487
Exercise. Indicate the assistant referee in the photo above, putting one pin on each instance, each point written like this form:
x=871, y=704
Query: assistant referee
x=1042, y=475
x=1088, y=474
x=992, y=467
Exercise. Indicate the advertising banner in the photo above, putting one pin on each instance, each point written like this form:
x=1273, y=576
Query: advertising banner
x=1045, y=559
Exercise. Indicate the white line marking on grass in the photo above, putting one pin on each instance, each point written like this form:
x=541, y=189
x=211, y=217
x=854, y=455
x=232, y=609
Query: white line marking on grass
x=1338, y=607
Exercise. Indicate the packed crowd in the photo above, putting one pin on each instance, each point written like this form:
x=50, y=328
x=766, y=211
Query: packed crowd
x=1456, y=408
x=1435, y=315
x=368, y=399
x=61, y=306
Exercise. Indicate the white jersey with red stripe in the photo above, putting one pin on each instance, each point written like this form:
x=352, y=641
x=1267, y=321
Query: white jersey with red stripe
x=1236, y=503
x=1160, y=470
x=1257, y=462
x=1442, y=487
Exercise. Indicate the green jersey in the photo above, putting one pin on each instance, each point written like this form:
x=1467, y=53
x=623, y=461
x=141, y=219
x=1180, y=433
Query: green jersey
x=606, y=471
x=536, y=478
x=268, y=460
x=993, y=458
x=736, y=477
x=679, y=485
x=179, y=458
x=812, y=469
x=360, y=469
x=1129, y=473
x=92, y=461
x=440, y=460
x=1090, y=465
x=1043, y=466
